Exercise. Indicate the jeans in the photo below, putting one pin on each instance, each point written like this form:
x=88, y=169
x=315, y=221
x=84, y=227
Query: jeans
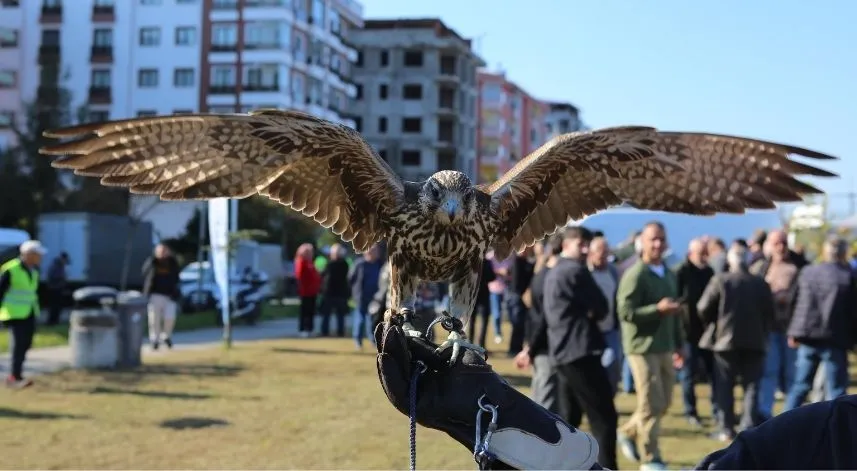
x=835, y=362
x=779, y=372
x=496, y=303
x=613, y=358
x=627, y=377
x=361, y=327
x=687, y=376
x=518, y=317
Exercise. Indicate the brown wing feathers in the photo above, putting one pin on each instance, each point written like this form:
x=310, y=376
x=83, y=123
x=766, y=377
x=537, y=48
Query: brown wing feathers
x=321, y=169
x=694, y=173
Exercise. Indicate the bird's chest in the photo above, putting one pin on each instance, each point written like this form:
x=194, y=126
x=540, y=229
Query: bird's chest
x=436, y=252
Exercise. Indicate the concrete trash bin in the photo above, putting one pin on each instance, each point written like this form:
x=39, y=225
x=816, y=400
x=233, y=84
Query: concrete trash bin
x=93, y=337
x=131, y=314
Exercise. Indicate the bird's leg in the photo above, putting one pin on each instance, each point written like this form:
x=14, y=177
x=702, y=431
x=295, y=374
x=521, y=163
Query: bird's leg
x=462, y=300
x=402, y=294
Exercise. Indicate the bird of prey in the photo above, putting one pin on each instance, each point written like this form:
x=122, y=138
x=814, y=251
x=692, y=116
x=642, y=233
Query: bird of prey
x=438, y=229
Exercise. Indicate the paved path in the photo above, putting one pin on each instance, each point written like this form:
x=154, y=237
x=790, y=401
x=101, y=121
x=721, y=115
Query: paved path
x=48, y=360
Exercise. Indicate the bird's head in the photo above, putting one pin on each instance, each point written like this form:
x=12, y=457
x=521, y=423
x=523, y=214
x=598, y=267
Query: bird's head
x=449, y=197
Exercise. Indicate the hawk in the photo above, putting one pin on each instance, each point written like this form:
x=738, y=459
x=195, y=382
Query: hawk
x=438, y=229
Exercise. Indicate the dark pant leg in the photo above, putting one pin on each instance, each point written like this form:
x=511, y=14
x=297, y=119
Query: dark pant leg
x=687, y=378
x=484, y=311
x=725, y=373
x=21, y=333
x=591, y=388
x=806, y=365
x=340, y=307
x=707, y=357
x=307, y=311
x=567, y=405
x=54, y=306
x=518, y=318
x=324, y=312
x=751, y=368
x=836, y=370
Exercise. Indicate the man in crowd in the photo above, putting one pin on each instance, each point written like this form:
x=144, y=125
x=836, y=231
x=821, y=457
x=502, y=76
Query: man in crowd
x=56, y=281
x=363, y=278
x=573, y=305
x=543, y=388
x=161, y=285
x=607, y=278
x=780, y=270
x=692, y=276
x=520, y=276
x=757, y=246
x=652, y=338
x=716, y=254
x=737, y=311
x=19, y=306
x=335, y=291
x=823, y=326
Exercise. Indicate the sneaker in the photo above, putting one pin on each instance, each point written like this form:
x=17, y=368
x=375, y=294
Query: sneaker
x=722, y=436
x=498, y=339
x=169, y=343
x=627, y=447
x=155, y=345
x=693, y=421
x=655, y=464
x=15, y=383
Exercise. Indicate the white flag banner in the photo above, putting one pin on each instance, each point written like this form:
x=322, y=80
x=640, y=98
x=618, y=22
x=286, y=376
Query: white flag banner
x=218, y=234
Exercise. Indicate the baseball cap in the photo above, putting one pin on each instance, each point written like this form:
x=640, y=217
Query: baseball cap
x=32, y=246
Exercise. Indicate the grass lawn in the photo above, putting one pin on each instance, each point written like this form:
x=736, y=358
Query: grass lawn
x=289, y=403
x=57, y=335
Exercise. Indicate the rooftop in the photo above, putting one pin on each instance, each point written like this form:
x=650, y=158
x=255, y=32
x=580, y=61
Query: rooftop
x=439, y=27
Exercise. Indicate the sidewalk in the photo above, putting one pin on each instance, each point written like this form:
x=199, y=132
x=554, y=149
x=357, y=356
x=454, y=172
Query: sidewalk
x=48, y=360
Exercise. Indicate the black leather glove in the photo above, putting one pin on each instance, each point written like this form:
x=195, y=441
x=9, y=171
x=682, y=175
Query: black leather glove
x=448, y=398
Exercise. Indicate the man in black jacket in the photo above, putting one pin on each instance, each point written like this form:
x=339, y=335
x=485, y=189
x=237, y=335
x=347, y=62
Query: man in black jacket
x=573, y=305
x=520, y=276
x=335, y=291
x=822, y=328
x=693, y=275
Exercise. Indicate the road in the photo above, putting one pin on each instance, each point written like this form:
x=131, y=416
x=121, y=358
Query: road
x=48, y=360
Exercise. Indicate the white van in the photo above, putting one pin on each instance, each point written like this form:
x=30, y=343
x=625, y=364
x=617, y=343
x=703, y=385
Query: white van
x=619, y=224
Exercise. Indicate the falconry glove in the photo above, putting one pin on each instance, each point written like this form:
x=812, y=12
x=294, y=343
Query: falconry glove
x=476, y=406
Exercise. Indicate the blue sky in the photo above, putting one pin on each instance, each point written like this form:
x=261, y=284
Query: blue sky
x=781, y=70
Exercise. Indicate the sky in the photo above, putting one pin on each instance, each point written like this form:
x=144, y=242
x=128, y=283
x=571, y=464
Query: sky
x=778, y=70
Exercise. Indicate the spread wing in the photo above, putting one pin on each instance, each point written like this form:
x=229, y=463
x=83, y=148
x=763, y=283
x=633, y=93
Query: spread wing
x=578, y=174
x=323, y=170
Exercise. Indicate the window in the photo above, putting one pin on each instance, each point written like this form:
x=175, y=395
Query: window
x=261, y=77
x=412, y=124
x=412, y=92
x=51, y=37
x=7, y=118
x=411, y=158
x=147, y=78
x=298, y=88
x=383, y=154
x=335, y=23
x=359, y=61
x=385, y=58
x=150, y=36
x=183, y=77
x=414, y=59
x=7, y=78
x=98, y=116
x=102, y=37
x=491, y=93
x=358, y=124
x=318, y=12
x=146, y=113
x=262, y=34
x=382, y=124
x=224, y=35
x=8, y=37
x=382, y=91
x=100, y=78
x=185, y=36
x=359, y=95
x=223, y=76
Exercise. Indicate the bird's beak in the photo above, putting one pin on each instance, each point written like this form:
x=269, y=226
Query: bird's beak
x=450, y=206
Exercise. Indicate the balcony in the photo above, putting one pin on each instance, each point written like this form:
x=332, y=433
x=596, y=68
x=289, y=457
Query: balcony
x=49, y=54
x=446, y=102
x=51, y=14
x=224, y=47
x=99, y=95
x=448, y=69
x=101, y=55
x=260, y=87
x=103, y=13
x=222, y=89
x=261, y=46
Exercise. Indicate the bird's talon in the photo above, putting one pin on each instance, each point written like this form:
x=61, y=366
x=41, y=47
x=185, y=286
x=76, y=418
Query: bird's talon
x=456, y=341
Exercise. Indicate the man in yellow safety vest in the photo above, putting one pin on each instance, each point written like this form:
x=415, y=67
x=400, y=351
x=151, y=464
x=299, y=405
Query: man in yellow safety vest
x=19, y=305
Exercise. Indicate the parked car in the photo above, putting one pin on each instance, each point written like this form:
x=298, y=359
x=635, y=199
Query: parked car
x=205, y=295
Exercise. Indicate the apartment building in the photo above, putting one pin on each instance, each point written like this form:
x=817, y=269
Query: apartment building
x=511, y=124
x=562, y=118
x=126, y=58
x=416, y=95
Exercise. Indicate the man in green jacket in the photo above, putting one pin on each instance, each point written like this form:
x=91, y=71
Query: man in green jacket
x=19, y=305
x=652, y=338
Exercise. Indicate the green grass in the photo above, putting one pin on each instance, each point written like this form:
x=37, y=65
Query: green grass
x=279, y=404
x=57, y=335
